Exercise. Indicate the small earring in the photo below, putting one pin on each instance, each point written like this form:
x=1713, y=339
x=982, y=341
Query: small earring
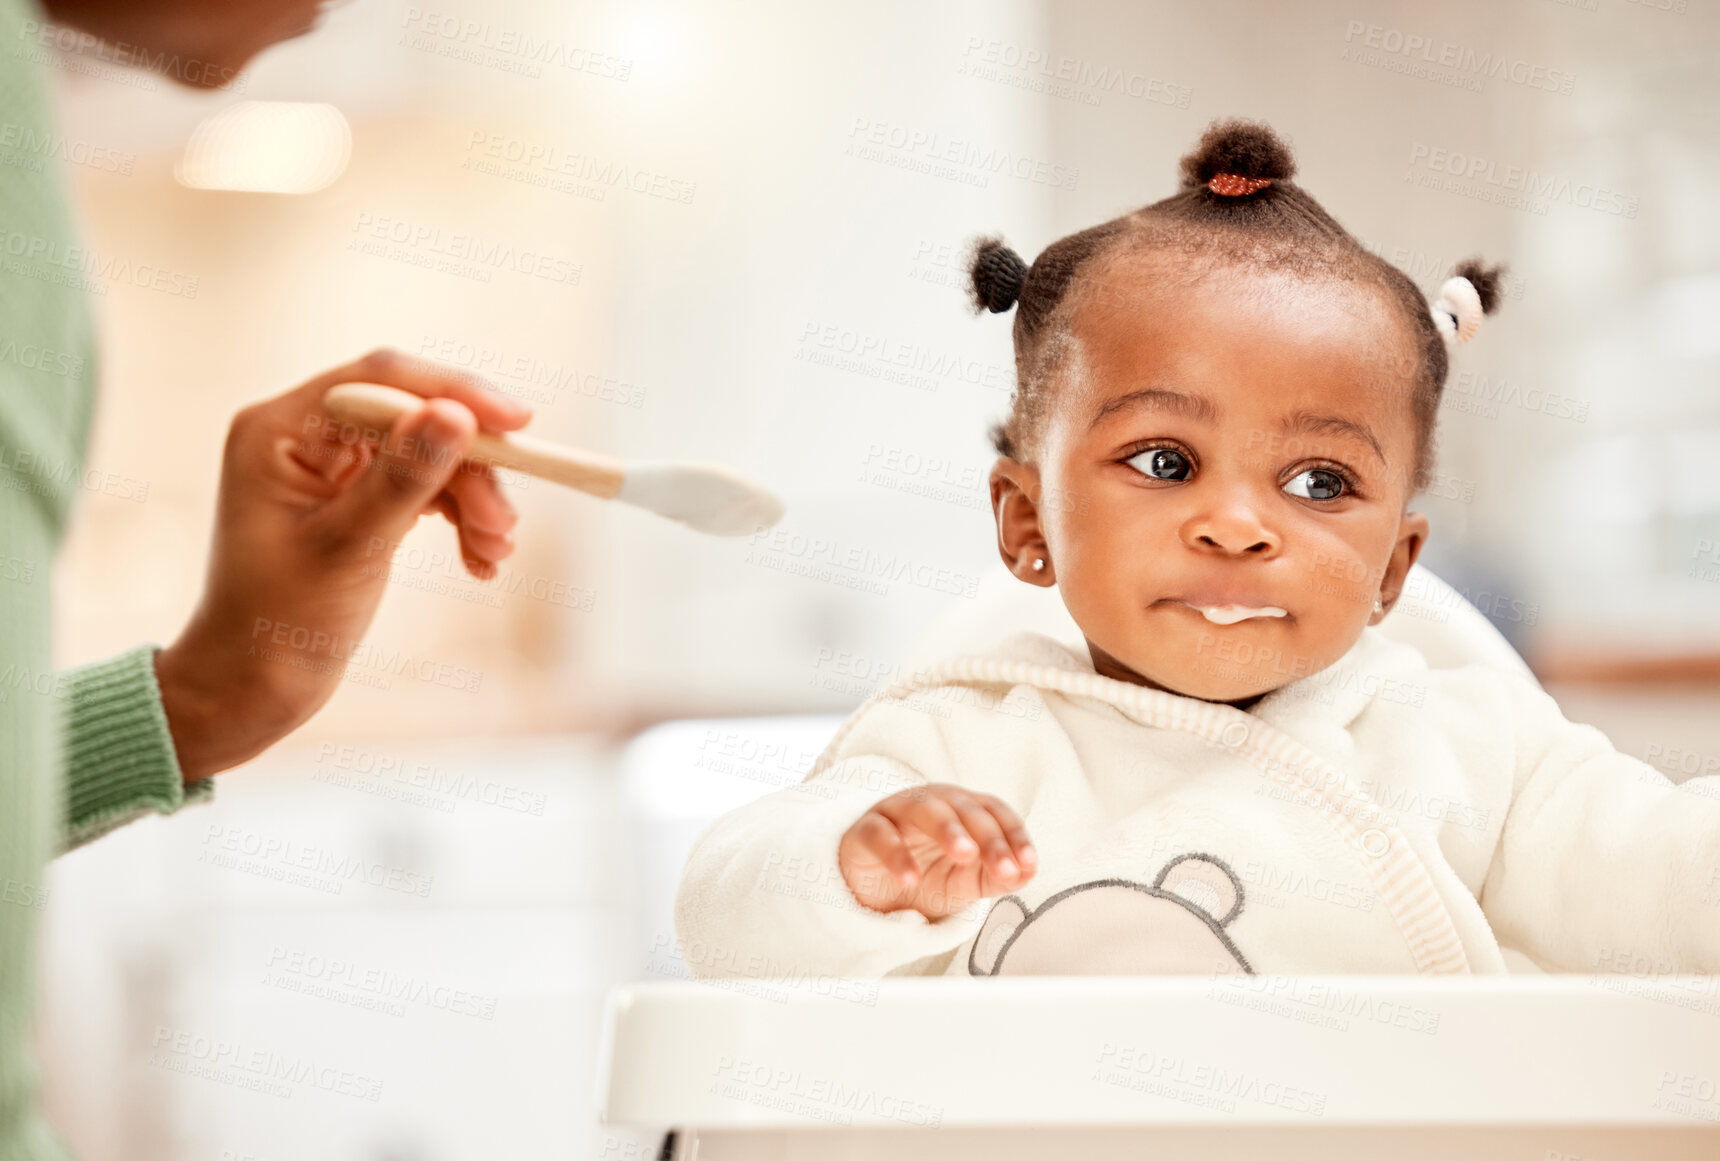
x=1039, y=564
x=1379, y=606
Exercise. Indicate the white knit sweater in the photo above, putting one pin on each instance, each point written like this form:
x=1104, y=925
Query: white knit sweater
x=1379, y=816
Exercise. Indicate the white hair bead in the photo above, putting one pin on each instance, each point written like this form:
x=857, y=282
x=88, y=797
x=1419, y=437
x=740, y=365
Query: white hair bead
x=1457, y=311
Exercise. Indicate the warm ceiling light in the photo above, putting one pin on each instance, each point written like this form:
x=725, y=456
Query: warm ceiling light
x=282, y=147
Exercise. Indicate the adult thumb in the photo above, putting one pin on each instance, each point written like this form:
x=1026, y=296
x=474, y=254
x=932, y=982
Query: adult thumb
x=413, y=463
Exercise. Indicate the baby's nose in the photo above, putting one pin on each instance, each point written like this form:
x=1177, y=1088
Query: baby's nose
x=1237, y=532
x=1259, y=547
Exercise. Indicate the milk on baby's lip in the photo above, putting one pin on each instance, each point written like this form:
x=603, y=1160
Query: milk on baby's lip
x=1231, y=614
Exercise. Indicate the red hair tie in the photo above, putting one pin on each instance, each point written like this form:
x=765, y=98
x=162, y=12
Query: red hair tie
x=1234, y=185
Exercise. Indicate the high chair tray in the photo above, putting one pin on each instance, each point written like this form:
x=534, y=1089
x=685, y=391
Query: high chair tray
x=935, y=1053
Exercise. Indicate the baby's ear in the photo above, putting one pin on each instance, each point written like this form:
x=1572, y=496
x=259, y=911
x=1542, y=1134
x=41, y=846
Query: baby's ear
x=1015, y=495
x=1005, y=916
x=1412, y=535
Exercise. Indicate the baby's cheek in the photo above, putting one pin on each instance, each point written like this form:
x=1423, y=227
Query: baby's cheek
x=1105, y=602
x=1323, y=634
x=1103, y=564
x=1338, y=576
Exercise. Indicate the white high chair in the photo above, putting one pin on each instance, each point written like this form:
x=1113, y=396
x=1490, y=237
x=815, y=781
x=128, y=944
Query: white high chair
x=1529, y=1067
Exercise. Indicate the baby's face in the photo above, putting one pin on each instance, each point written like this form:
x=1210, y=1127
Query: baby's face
x=1219, y=449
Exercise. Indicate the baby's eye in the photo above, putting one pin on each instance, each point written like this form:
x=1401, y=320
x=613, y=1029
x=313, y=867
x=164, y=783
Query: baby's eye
x=1162, y=463
x=1316, y=484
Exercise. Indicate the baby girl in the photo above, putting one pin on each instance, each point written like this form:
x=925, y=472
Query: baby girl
x=1224, y=407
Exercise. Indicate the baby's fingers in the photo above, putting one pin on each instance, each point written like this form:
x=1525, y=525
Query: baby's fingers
x=978, y=818
x=877, y=837
x=927, y=812
x=1015, y=830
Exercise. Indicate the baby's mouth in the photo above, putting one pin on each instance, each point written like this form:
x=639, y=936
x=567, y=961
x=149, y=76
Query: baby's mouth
x=1232, y=614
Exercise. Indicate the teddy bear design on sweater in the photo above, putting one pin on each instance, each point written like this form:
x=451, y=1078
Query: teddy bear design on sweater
x=1113, y=927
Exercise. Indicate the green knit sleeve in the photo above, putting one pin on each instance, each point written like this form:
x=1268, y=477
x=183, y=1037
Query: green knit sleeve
x=119, y=757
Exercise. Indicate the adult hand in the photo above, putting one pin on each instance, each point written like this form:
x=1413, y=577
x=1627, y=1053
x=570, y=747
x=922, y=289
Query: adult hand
x=309, y=514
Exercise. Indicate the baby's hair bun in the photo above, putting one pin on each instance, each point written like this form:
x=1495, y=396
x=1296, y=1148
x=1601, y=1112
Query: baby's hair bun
x=1247, y=149
x=995, y=275
x=1486, y=279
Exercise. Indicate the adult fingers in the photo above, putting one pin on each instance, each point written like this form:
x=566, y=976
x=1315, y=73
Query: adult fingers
x=493, y=410
x=411, y=467
x=480, y=551
x=483, y=506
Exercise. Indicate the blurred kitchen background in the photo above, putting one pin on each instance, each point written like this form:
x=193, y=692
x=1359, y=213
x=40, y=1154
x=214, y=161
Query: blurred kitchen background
x=752, y=220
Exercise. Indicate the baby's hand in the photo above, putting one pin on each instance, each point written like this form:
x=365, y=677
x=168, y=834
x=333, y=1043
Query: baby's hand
x=935, y=848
